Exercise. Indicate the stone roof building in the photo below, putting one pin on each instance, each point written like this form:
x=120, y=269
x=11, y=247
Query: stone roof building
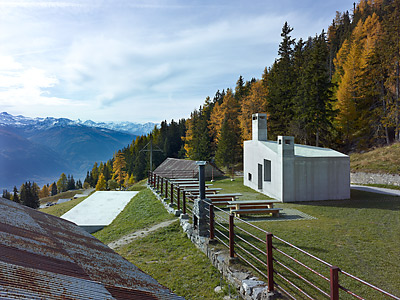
x=184, y=168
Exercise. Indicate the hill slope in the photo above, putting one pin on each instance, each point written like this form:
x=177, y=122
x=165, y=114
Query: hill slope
x=379, y=160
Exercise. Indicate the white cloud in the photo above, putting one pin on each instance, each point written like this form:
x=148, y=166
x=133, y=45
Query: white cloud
x=135, y=59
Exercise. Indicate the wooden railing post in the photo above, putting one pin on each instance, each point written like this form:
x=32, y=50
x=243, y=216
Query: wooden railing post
x=184, y=201
x=212, y=236
x=172, y=193
x=178, y=197
x=158, y=182
x=231, y=237
x=334, y=283
x=270, y=266
x=162, y=186
x=166, y=188
x=154, y=180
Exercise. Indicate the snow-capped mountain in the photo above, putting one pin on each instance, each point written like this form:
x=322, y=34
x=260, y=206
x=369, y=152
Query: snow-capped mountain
x=43, y=123
x=40, y=149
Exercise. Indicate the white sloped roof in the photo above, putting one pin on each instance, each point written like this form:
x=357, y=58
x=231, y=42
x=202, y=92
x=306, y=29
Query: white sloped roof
x=306, y=151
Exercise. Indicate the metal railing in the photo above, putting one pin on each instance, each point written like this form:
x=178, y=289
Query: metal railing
x=288, y=268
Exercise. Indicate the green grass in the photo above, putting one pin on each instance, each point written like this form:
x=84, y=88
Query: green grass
x=360, y=236
x=379, y=160
x=63, y=195
x=59, y=209
x=171, y=258
x=144, y=210
x=167, y=254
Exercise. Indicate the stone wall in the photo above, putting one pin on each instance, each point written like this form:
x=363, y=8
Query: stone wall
x=374, y=178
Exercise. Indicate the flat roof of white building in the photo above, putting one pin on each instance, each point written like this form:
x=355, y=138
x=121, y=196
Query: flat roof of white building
x=100, y=209
x=306, y=151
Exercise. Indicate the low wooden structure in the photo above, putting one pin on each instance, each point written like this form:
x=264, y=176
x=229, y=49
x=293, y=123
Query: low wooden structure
x=258, y=207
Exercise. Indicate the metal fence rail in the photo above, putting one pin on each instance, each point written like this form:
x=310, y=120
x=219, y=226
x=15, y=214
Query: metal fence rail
x=264, y=252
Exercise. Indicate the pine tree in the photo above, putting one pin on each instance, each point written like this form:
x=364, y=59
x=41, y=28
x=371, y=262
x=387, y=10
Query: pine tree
x=281, y=87
x=119, y=166
x=101, y=183
x=6, y=194
x=62, y=183
x=254, y=102
x=313, y=100
x=53, y=189
x=71, y=183
x=15, y=195
x=228, y=151
x=44, y=192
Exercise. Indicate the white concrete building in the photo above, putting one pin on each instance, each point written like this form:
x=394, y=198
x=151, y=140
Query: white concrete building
x=290, y=172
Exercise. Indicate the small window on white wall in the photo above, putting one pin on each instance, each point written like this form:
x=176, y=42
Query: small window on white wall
x=249, y=176
x=267, y=170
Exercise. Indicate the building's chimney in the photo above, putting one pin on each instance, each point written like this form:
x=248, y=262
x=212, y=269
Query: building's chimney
x=259, y=127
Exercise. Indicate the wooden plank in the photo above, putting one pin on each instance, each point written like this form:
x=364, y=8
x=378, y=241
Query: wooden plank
x=254, y=201
x=207, y=190
x=226, y=195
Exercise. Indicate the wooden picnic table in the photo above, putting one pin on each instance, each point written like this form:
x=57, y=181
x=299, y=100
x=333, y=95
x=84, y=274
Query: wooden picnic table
x=183, y=180
x=223, y=199
x=258, y=207
x=191, y=185
x=208, y=191
x=238, y=204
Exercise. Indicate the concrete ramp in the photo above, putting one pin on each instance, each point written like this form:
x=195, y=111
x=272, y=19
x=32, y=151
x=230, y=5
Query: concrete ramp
x=99, y=210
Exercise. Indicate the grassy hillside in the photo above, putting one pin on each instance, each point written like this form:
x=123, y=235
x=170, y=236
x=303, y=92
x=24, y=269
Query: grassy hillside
x=60, y=209
x=380, y=160
x=359, y=235
x=167, y=254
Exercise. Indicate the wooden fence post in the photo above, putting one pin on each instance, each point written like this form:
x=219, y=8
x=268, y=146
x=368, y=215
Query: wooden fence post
x=231, y=237
x=270, y=266
x=166, y=188
x=334, y=283
x=184, y=201
x=172, y=193
x=178, y=198
x=212, y=236
x=162, y=186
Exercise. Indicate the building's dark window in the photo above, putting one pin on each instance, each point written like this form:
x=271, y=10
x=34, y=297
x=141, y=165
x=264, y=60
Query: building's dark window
x=287, y=142
x=267, y=170
x=249, y=176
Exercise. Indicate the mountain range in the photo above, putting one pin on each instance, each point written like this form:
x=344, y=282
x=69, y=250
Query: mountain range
x=40, y=149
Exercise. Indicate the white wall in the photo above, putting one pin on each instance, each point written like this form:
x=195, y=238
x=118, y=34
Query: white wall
x=254, y=153
x=297, y=178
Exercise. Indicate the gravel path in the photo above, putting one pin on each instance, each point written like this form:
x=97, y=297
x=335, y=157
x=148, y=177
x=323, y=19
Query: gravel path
x=138, y=234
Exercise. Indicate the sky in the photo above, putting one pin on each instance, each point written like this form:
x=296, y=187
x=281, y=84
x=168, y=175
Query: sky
x=140, y=60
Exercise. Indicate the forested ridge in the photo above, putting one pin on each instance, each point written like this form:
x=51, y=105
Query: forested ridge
x=338, y=89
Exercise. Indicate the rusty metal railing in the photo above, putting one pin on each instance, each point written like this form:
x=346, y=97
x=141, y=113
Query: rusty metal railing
x=269, y=255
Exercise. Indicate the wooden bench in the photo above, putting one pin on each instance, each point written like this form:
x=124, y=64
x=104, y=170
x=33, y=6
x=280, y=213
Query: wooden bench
x=218, y=199
x=252, y=204
x=191, y=186
x=208, y=191
x=258, y=211
x=223, y=199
